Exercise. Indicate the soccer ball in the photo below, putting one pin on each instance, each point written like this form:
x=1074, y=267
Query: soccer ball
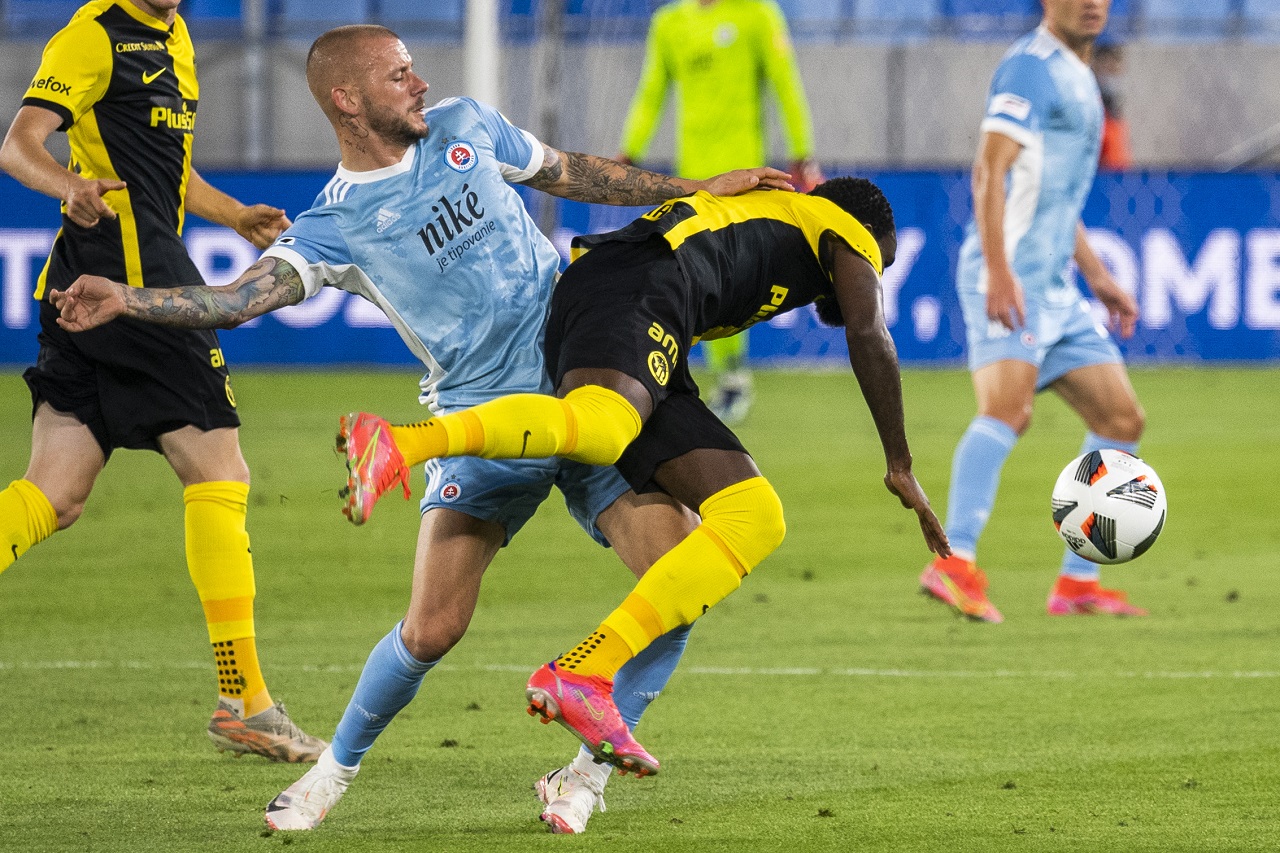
x=1108, y=506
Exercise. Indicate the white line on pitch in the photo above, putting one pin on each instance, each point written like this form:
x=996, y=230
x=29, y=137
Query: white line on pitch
x=766, y=672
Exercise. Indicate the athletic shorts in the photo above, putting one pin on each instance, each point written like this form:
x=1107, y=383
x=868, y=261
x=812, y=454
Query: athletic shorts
x=130, y=382
x=509, y=491
x=625, y=306
x=1057, y=339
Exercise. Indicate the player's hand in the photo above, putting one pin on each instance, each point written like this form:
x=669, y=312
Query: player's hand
x=805, y=174
x=744, y=180
x=89, y=302
x=903, y=484
x=1005, y=302
x=261, y=224
x=1122, y=307
x=85, y=205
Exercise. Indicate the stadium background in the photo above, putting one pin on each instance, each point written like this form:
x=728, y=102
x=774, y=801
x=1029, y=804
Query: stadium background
x=896, y=87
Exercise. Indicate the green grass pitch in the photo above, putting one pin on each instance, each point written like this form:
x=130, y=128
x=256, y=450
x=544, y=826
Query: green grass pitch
x=824, y=706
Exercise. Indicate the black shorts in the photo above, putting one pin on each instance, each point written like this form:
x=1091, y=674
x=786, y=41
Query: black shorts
x=130, y=382
x=625, y=306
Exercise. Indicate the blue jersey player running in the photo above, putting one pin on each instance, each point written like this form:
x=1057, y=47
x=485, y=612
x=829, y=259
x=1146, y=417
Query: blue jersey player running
x=421, y=220
x=1028, y=325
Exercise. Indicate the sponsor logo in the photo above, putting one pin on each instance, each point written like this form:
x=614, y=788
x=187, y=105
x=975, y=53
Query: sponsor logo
x=1007, y=103
x=450, y=492
x=135, y=46
x=53, y=85
x=667, y=341
x=286, y=241
x=385, y=220
x=777, y=295
x=184, y=120
x=460, y=157
x=231, y=398
x=148, y=79
x=659, y=367
x=456, y=219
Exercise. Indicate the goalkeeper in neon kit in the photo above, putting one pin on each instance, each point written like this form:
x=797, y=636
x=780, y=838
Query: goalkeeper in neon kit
x=719, y=56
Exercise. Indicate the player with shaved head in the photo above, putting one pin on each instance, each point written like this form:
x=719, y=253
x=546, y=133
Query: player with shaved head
x=421, y=219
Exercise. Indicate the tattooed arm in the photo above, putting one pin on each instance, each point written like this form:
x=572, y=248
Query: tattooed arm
x=586, y=177
x=91, y=300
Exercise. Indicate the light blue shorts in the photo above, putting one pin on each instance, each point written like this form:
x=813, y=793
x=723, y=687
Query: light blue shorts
x=508, y=491
x=1056, y=339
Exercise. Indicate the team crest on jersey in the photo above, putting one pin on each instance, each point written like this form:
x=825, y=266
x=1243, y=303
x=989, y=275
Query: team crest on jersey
x=659, y=366
x=450, y=492
x=460, y=157
x=1028, y=339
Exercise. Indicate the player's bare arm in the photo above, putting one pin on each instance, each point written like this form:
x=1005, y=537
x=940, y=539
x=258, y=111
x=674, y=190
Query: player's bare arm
x=269, y=284
x=600, y=180
x=260, y=224
x=24, y=156
x=874, y=359
x=1122, y=307
x=1005, y=300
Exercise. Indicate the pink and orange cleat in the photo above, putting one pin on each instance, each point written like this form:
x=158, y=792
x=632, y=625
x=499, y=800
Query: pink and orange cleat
x=374, y=464
x=959, y=583
x=1073, y=597
x=583, y=704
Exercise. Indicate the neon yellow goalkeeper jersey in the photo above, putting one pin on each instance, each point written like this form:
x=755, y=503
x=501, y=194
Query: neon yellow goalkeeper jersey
x=719, y=58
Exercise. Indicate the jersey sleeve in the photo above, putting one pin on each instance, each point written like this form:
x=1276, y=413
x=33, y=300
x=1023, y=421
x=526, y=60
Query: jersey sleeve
x=645, y=111
x=75, y=69
x=783, y=74
x=1021, y=98
x=315, y=248
x=518, y=151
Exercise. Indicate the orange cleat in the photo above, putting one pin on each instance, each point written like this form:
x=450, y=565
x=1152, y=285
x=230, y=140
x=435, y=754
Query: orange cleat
x=960, y=584
x=375, y=465
x=1071, y=597
x=583, y=704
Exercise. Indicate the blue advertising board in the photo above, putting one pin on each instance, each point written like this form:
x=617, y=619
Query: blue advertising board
x=1201, y=253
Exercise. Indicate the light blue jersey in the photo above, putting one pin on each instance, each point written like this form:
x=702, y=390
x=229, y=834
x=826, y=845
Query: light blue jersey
x=1045, y=98
x=443, y=245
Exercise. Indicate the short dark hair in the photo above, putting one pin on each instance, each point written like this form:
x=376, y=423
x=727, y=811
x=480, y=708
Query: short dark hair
x=862, y=200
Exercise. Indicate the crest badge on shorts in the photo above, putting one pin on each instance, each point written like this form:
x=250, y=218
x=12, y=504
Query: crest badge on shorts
x=659, y=366
x=450, y=492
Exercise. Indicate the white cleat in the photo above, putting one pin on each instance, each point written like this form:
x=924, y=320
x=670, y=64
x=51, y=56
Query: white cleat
x=570, y=798
x=305, y=803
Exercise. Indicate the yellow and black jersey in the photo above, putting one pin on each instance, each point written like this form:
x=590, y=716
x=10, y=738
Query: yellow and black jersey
x=125, y=86
x=746, y=258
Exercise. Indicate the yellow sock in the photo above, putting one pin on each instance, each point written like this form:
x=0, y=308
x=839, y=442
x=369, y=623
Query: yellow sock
x=741, y=525
x=591, y=424
x=221, y=568
x=26, y=518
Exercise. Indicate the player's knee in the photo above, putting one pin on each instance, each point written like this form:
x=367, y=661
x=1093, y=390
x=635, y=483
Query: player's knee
x=748, y=519
x=69, y=513
x=605, y=422
x=429, y=640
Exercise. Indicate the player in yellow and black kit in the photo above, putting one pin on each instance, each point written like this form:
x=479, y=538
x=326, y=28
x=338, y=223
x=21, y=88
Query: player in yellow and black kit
x=120, y=80
x=622, y=320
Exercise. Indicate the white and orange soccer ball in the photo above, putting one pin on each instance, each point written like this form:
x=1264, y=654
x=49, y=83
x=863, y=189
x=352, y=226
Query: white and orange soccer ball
x=1109, y=506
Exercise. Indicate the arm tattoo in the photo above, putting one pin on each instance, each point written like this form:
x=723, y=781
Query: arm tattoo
x=267, y=285
x=586, y=177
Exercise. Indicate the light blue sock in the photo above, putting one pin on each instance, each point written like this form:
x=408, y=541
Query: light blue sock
x=975, y=476
x=643, y=677
x=389, y=681
x=1073, y=565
